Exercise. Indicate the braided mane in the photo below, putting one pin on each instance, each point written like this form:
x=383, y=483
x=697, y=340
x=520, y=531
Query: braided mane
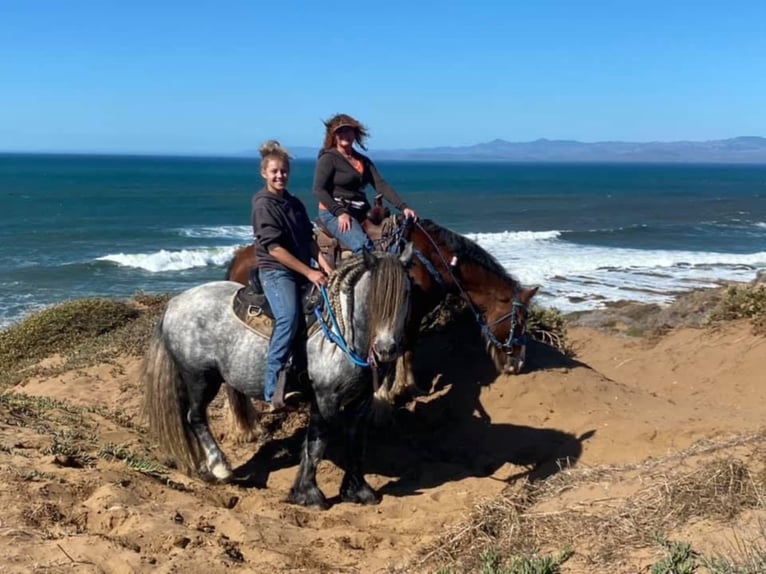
x=386, y=294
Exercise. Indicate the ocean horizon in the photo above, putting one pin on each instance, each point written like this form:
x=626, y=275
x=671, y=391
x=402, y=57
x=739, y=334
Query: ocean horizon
x=84, y=225
x=750, y=149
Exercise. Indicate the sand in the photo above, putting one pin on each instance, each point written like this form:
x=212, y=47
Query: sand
x=622, y=402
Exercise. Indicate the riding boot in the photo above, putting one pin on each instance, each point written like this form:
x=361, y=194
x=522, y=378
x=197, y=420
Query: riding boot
x=282, y=399
x=300, y=380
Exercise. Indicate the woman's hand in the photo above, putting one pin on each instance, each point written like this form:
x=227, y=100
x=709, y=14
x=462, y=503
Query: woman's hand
x=317, y=277
x=344, y=222
x=407, y=212
x=326, y=267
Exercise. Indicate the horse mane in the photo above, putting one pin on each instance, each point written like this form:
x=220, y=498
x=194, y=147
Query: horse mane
x=465, y=248
x=386, y=279
x=345, y=276
x=387, y=296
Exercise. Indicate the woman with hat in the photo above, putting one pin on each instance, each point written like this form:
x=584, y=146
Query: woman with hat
x=340, y=177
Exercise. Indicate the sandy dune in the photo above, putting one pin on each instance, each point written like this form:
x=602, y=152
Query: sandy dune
x=621, y=402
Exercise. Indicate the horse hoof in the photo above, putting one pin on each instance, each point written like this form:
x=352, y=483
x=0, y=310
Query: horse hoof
x=207, y=476
x=310, y=500
x=221, y=472
x=219, y=475
x=323, y=505
x=365, y=496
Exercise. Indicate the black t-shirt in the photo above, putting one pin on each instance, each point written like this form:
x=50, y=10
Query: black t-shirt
x=340, y=187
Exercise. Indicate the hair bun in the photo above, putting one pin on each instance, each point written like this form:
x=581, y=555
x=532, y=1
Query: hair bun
x=271, y=147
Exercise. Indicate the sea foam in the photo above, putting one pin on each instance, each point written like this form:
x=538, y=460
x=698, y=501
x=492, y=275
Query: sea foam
x=164, y=260
x=239, y=232
x=579, y=277
x=572, y=276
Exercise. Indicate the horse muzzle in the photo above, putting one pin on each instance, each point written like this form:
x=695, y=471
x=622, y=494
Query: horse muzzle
x=384, y=352
x=514, y=362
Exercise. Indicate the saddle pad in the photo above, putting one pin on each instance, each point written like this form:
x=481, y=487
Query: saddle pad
x=260, y=323
x=257, y=321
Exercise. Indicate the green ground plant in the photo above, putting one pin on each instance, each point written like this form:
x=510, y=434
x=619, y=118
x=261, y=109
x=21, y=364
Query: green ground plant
x=549, y=326
x=742, y=302
x=679, y=559
x=82, y=332
x=491, y=562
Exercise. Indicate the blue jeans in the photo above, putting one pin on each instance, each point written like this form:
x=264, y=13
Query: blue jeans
x=281, y=290
x=355, y=238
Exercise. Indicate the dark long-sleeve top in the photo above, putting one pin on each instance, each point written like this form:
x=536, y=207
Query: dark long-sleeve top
x=340, y=187
x=280, y=221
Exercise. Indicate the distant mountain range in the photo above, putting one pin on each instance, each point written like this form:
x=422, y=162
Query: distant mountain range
x=746, y=149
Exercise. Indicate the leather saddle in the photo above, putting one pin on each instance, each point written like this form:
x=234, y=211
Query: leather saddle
x=378, y=225
x=253, y=309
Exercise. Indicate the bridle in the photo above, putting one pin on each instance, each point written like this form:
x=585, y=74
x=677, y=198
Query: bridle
x=512, y=341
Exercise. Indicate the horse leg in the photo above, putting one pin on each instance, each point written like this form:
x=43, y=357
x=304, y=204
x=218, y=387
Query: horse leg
x=202, y=389
x=305, y=490
x=243, y=421
x=354, y=487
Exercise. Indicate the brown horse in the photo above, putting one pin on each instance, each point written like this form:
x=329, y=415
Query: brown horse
x=447, y=262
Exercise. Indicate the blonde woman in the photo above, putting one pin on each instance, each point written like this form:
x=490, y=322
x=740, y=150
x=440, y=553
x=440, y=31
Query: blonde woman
x=284, y=247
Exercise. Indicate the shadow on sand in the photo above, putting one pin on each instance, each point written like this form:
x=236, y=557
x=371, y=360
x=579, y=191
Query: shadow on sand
x=447, y=435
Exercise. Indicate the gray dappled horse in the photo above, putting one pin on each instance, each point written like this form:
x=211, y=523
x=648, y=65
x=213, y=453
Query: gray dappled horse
x=199, y=343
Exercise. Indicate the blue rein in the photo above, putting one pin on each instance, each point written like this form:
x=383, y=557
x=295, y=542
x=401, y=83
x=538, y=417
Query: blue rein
x=333, y=333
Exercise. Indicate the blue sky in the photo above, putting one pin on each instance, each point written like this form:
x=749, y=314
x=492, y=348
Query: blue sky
x=220, y=77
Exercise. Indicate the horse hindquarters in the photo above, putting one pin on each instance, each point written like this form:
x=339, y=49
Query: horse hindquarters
x=175, y=403
x=166, y=404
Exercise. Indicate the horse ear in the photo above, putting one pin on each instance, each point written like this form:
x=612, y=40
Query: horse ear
x=407, y=253
x=527, y=294
x=369, y=259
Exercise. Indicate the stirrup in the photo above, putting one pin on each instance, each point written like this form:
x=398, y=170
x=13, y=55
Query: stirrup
x=285, y=404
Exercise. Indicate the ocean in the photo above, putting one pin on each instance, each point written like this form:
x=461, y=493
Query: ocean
x=110, y=226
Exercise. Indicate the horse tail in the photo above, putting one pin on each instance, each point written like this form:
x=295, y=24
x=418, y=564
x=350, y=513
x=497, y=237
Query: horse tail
x=166, y=403
x=243, y=423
